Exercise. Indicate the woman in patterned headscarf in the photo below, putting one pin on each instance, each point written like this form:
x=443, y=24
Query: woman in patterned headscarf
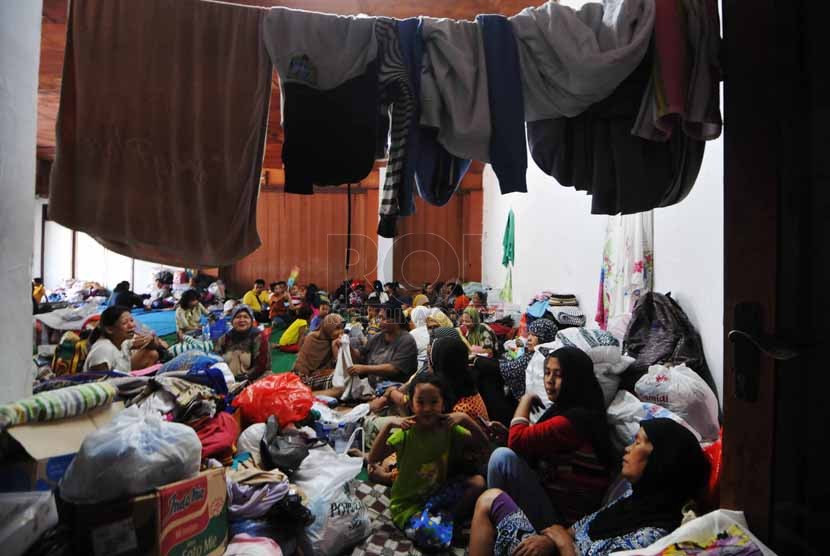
x=540, y=331
x=479, y=336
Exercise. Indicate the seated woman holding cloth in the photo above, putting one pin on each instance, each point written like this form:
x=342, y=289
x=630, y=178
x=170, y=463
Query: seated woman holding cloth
x=392, y=355
x=318, y=357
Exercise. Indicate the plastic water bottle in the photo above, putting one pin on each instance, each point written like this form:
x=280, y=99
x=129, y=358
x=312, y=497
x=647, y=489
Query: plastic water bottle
x=341, y=441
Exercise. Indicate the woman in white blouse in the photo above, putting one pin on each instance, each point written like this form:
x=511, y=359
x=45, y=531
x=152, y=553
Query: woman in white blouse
x=116, y=347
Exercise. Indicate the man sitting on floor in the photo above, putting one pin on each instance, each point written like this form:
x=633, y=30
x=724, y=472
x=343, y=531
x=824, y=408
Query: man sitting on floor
x=257, y=300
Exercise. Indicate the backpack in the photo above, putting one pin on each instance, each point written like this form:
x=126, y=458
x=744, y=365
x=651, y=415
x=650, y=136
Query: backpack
x=660, y=332
x=69, y=355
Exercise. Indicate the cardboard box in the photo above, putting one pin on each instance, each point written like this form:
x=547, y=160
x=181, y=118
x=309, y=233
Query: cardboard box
x=45, y=450
x=187, y=518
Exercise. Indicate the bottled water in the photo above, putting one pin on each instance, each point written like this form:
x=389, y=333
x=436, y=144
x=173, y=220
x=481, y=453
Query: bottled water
x=341, y=441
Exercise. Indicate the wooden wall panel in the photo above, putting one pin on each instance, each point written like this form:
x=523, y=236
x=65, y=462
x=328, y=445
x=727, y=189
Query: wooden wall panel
x=310, y=231
x=441, y=243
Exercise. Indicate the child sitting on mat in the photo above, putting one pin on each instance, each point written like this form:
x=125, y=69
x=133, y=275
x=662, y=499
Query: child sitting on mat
x=292, y=339
x=425, y=504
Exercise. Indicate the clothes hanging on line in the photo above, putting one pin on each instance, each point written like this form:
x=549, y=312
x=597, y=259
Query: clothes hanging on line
x=396, y=90
x=139, y=166
x=328, y=68
x=571, y=59
x=454, y=95
x=684, y=88
x=508, y=143
x=595, y=152
x=508, y=257
x=428, y=169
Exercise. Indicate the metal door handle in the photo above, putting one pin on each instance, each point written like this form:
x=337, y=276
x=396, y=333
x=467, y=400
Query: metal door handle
x=748, y=343
x=768, y=345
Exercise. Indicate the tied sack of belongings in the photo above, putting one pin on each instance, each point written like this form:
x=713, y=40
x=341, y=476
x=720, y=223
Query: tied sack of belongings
x=681, y=390
x=136, y=453
x=625, y=413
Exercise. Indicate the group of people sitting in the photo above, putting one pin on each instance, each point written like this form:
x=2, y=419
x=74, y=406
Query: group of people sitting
x=541, y=490
x=453, y=432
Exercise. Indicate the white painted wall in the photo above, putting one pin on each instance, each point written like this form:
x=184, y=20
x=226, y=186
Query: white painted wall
x=688, y=254
x=57, y=260
x=558, y=240
x=559, y=247
x=19, y=57
x=38, y=232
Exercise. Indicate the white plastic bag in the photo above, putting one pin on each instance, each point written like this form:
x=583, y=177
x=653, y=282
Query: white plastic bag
x=354, y=388
x=625, y=413
x=730, y=526
x=341, y=520
x=24, y=517
x=137, y=452
x=249, y=441
x=682, y=391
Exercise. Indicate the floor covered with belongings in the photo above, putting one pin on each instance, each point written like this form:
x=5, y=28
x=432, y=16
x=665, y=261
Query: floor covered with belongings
x=182, y=456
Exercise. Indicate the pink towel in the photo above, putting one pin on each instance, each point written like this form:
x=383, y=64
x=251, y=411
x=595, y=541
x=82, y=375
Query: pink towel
x=146, y=371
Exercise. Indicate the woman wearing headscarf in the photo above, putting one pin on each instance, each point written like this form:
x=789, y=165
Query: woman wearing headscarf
x=243, y=347
x=419, y=331
x=566, y=453
x=438, y=319
x=666, y=469
x=481, y=337
x=420, y=300
x=318, y=356
x=540, y=331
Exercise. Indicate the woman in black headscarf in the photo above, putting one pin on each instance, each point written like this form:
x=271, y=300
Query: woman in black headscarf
x=666, y=468
x=566, y=453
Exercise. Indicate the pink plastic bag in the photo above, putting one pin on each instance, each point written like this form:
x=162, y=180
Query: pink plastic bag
x=282, y=395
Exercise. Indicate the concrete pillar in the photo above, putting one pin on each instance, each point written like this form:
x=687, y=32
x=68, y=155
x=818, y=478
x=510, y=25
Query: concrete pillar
x=20, y=23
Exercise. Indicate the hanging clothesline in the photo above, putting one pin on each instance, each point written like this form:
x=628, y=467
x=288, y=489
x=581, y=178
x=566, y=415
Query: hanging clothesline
x=182, y=133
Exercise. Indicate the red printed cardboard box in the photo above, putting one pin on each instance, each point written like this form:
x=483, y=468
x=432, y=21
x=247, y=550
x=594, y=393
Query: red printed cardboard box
x=187, y=518
x=192, y=517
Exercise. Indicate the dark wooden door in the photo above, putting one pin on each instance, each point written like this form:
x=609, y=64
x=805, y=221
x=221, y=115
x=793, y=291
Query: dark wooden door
x=777, y=248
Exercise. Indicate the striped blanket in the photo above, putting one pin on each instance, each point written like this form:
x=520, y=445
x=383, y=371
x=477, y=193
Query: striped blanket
x=57, y=404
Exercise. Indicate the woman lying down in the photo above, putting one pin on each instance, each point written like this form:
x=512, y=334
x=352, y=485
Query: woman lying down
x=666, y=469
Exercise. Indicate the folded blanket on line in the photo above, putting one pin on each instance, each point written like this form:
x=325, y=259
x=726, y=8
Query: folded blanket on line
x=57, y=404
